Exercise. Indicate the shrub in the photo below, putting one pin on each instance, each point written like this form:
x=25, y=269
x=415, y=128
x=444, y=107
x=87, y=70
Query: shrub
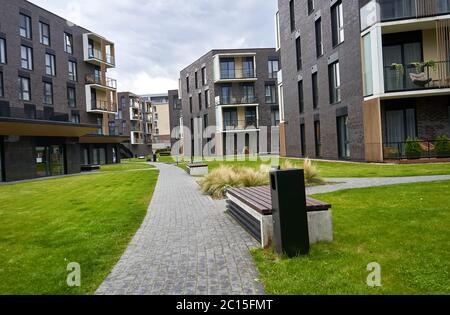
x=312, y=175
x=442, y=146
x=413, y=148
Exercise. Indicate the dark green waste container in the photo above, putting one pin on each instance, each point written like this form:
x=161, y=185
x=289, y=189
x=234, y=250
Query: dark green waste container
x=290, y=218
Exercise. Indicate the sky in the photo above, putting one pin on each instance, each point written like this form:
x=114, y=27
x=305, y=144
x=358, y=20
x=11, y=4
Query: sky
x=156, y=39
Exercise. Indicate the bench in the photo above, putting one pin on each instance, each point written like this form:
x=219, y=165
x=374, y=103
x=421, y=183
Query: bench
x=252, y=208
x=90, y=168
x=197, y=169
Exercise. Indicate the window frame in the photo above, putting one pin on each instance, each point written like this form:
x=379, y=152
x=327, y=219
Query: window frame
x=68, y=43
x=207, y=97
x=301, y=97
x=317, y=139
x=292, y=15
x=42, y=36
x=319, y=37
x=271, y=67
x=334, y=80
x=3, y=51
x=311, y=6
x=22, y=90
x=273, y=95
x=2, y=85
x=337, y=23
x=73, y=71
x=25, y=31
x=203, y=76
x=315, y=89
x=47, y=97
x=28, y=57
x=69, y=103
x=298, y=53
x=51, y=66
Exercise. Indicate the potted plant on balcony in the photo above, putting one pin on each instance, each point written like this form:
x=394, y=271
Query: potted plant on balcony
x=422, y=77
x=399, y=71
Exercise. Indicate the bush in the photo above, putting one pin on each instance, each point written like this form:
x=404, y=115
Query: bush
x=413, y=149
x=442, y=146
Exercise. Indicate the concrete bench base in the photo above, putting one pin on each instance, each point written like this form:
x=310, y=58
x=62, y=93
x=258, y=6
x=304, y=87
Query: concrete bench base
x=90, y=168
x=198, y=169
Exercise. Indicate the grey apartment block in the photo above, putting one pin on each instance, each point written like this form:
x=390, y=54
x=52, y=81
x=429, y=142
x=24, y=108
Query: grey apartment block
x=227, y=89
x=134, y=119
x=175, y=113
x=53, y=119
x=392, y=65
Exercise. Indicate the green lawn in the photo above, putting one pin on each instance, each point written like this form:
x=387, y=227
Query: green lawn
x=344, y=170
x=88, y=219
x=124, y=167
x=404, y=228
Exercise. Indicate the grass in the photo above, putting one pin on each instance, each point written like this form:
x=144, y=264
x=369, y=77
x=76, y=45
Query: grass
x=404, y=228
x=349, y=170
x=133, y=160
x=124, y=167
x=87, y=219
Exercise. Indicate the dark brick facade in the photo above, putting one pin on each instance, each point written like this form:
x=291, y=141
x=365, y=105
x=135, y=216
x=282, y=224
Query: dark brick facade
x=175, y=112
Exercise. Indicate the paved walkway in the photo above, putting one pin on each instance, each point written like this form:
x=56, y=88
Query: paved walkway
x=186, y=245
x=352, y=183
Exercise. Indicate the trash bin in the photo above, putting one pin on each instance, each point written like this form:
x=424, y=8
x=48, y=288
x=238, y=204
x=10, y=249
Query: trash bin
x=290, y=218
x=155, y=158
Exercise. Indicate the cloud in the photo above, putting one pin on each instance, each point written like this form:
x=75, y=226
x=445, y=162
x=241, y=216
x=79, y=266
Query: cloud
x=155, y=39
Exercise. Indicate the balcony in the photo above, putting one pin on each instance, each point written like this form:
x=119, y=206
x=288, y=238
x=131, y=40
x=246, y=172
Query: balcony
x=235, y=67
x=417, y=76
x=240, y=125
x=234, y=101
x=137, y=138
x=102, y=106
x=101, y=80
x=22, y=113
x=391, y=10
x=237, y=73
x=98, y=50
x=416, y=149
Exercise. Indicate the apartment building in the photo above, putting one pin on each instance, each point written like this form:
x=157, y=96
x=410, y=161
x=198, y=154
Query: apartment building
x=175, y=115
x=134, y=119
x=374, y=84
x=234, y=90
x=161, y=120
x=56, y=101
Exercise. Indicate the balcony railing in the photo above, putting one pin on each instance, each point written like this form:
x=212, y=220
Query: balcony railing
x=97, y=54
x=407, y=9
x=105, y=106
x=417, y=76
x=227, y=100
x=240, y=124
x=101, y=80
x=22, y=113
x=237, y=73
x=419, y=149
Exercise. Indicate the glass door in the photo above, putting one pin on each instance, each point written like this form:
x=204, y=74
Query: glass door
x=56, y=160
x=49, y=161
x=41, y=162
x=344, y=145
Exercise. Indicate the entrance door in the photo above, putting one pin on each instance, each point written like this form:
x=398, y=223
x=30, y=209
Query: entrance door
x=49, y=161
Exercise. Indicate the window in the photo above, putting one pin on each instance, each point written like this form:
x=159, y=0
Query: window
x=275, y=116
x=203, y=76
x=274, y=67
x=301, y=97
x=190, y=104
x=334, y=77
x=303, y=140
x=2, y=91
x=26, y=56
x=319, y=45
x=71, y=97
x=44, y=32
x=25, y=26
x=337, y=23
x=342, y=132
x=2, y=50
x=311, y=6
x=50, y=65
x=48, y=93
x=271, y=96
x=68, y=43
x=196, y=79
x=249, y=94
x=298, y=52
x=75, y=117
x=188, y=89
x=200, y=102
x=317, y=139
x=207, y=98
x=292, y=14
x=248, y=71
x=205, y=121
x=72, y=71
x=367, y=65
x=24, y=89
x=315, y=91
x=227, y=68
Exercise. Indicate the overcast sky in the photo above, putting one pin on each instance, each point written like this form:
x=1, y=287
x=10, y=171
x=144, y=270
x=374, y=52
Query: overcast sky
x=155, y=39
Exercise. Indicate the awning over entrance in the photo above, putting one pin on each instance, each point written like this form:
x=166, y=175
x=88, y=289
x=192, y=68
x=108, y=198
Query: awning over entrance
x=99, y=139
x=36, y=128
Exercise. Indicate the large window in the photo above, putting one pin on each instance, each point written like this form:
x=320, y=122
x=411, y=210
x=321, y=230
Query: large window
x=26, y=56
x=248, y=71
x=50, y=68
x=298, y=52
x=303, y=140
x=2, y=91
x=319, y=45
x=311, y=6
x=400, y=125
x=274, y=67
x=2, y=50
x=225, y=94
x=71, y=97
x=72, y=71
x=44, y=32
x=334, y=77
x=249, y=93
x=48, y=93
x=271, y=96
x=343, y=142
x=25, y=26
x=227, y=68
x=367, y=66
x=68, y=43
x=337, y=23
x=292, y=14
x=24, y=89
x=301, y=97
x=203, y=76
x=317, y=139
x=315, y=90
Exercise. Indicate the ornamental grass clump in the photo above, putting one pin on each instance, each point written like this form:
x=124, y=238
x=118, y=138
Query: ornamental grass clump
x=312, y=174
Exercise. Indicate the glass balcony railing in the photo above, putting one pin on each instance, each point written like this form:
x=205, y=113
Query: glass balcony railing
x=105, y=106
x=97, y=54
x=417, y=76
x=406, y=9
x=228, y=100
x=240, y=124
x=237, y=73
x=33, y=114
x=101, y=80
